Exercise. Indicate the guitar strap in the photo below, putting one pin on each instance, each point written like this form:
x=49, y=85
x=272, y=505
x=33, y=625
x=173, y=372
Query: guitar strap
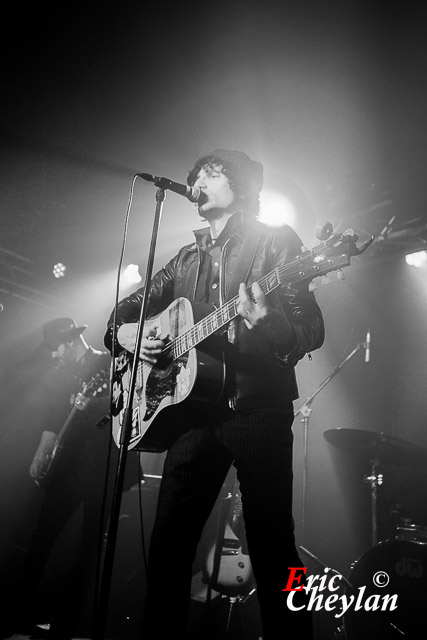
x=244, y=262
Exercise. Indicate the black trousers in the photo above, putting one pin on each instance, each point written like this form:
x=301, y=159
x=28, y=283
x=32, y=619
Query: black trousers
x=259, y=444
x=74, y=607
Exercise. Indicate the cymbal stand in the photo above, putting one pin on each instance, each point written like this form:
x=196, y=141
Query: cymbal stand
x=305, y=411
x=374, y=480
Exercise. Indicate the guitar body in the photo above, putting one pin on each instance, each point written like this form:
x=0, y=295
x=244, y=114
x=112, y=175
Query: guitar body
x=163, y=391
x=53, y=462
x=235, y=575
x=227, y=569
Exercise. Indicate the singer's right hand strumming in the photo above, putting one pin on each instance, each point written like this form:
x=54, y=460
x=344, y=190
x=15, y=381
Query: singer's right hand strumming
x=151, y=345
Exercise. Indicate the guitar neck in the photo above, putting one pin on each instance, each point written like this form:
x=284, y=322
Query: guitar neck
x=220, y=317
x=66, y=424
x=331, y=255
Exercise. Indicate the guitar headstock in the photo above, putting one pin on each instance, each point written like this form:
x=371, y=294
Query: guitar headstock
x=98, y=385
x=331, y=254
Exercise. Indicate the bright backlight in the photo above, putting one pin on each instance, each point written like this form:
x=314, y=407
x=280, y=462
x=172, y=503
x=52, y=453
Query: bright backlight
x=276, y=210
x=417, y=259
x=59, y=270
x=131, y=274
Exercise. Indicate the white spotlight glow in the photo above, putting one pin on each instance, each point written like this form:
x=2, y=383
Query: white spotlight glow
x=59, y=270
x=131, y=274
x=417, y=259
x=276, y=209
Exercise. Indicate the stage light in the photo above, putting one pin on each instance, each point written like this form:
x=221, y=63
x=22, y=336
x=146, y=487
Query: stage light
x=131, y=274
x=276, y=209
x=59, y=270
x=417, y=259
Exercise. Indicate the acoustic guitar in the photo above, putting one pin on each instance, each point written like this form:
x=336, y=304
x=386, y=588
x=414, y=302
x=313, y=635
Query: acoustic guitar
x=190, y=367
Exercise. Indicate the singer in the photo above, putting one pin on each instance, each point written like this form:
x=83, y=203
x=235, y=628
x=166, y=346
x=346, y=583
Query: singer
x=250, y=426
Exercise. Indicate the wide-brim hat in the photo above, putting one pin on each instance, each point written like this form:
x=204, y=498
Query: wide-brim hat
x=60, y=330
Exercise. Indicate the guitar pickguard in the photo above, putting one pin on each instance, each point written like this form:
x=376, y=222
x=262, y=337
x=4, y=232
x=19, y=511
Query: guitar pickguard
x=165, y=380
x=175, y=382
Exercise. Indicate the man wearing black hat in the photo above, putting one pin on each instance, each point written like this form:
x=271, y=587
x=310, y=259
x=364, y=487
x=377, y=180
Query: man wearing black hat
x=250, y=425
x=70, y=464
x=63, y=338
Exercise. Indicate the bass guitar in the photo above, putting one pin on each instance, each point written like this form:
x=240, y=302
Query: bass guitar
x=189, y=366
x=98, y=385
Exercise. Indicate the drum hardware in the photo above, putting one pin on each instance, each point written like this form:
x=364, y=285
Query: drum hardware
x=326, y=625
x=411, y=532
x=374, y=480
x=379, y=449
x=395, y=515
x=404, y=559
x=304, y=411
x=372, y=445
x=405, y=564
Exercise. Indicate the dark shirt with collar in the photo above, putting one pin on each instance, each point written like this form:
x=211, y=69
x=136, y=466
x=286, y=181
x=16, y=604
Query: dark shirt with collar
x=208, y=282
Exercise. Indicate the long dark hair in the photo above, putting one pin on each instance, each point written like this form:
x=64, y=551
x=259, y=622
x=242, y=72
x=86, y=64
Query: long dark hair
x=247, y=198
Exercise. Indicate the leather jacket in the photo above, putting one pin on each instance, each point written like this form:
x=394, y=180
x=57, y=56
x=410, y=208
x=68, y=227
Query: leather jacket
x=259, y=373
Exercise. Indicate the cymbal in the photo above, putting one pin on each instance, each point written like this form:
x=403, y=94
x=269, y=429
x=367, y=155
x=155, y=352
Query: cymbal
x=371, y=445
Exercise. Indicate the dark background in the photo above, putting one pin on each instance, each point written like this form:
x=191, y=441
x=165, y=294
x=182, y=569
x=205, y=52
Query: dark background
x=330, y=97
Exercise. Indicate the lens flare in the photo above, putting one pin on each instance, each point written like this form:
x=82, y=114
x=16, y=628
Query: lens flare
x=276, y=209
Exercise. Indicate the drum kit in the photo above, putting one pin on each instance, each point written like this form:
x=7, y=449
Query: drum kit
x=396, y=566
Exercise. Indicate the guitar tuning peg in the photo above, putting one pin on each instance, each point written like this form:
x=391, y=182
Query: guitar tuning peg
x=352, y=234
x=326, y=281
x=312, y=286
x=340, y=275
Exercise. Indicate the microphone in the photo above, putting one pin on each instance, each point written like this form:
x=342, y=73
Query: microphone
x=368, y=346
x=193, y=194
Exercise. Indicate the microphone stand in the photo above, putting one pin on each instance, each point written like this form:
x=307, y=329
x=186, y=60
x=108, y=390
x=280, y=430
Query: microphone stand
x=305, y=411
x=100, y=620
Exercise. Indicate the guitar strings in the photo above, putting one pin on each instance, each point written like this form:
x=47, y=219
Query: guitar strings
x=220, y=317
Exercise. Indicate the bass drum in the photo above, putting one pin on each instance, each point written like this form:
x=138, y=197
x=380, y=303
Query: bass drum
x=405, y=564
